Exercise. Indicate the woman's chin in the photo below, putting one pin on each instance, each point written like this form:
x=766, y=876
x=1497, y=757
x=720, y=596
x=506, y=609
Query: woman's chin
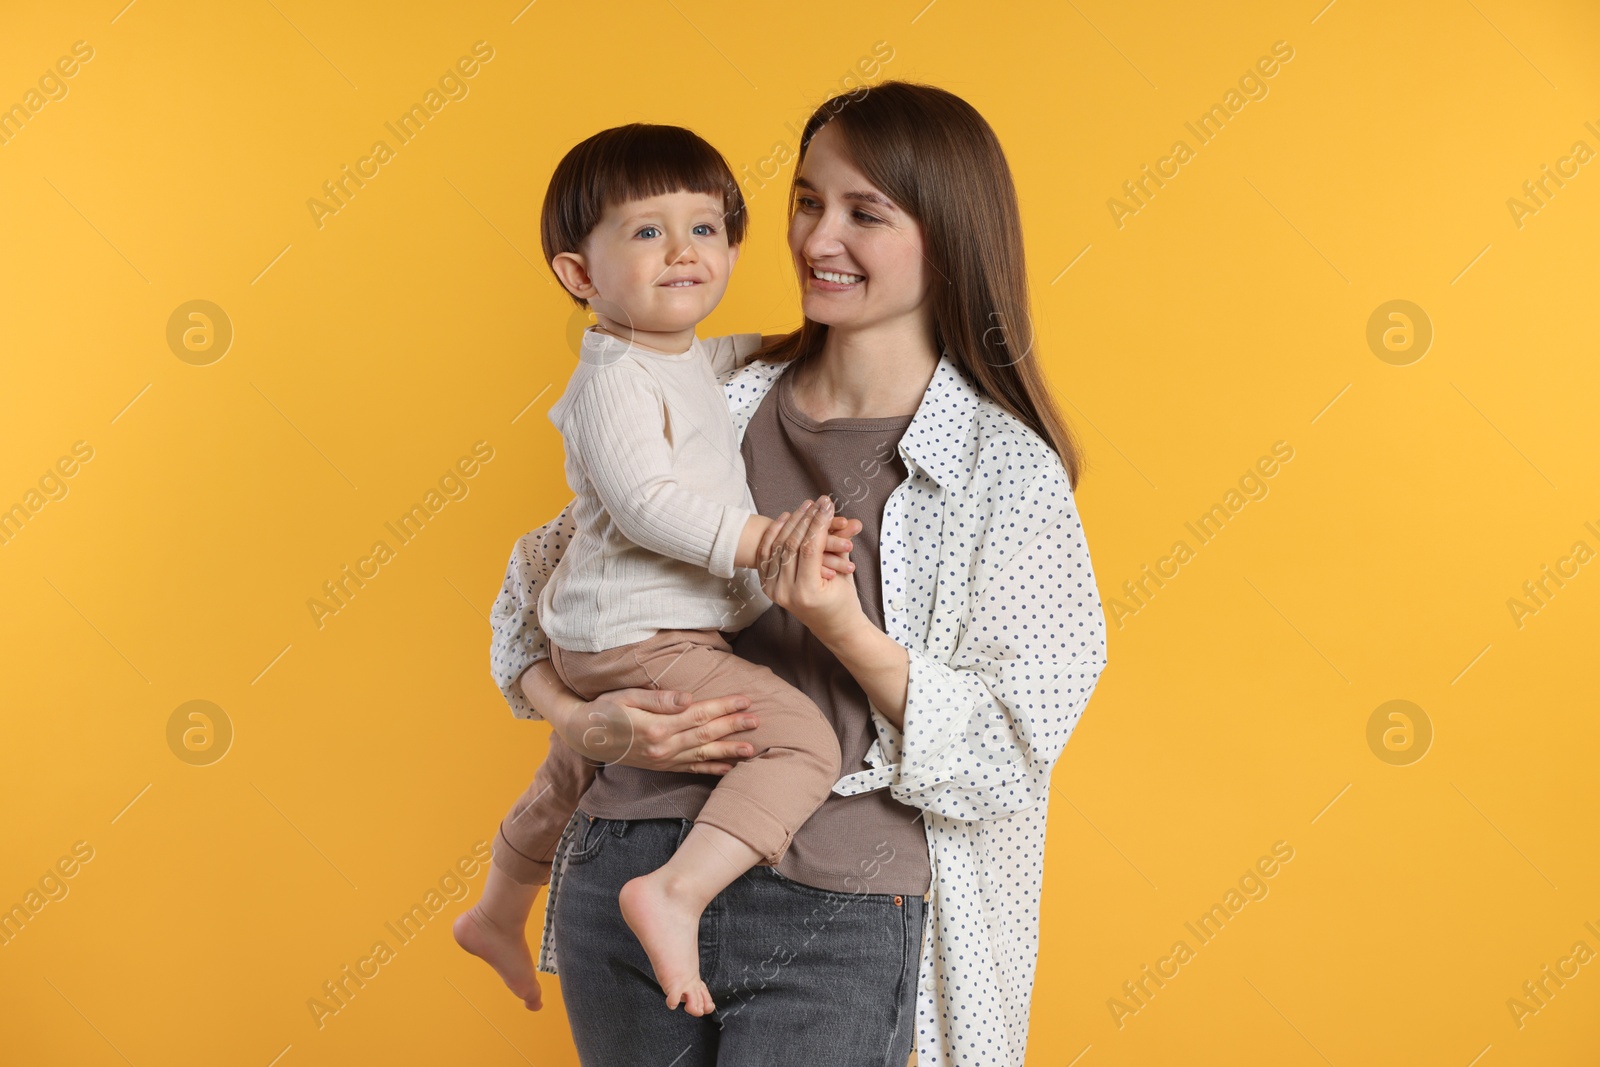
x=821, y=308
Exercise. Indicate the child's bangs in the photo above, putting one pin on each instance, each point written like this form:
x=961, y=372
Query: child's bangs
x=670, y=161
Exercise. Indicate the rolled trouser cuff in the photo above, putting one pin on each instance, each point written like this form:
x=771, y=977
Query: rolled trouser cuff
x=741, y=816
x=520, y=868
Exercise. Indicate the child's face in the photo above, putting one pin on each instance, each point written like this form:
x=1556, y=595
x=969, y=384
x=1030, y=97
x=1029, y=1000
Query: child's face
x=655, y=266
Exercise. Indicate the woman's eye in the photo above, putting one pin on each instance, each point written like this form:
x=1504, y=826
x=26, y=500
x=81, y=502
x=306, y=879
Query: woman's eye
x=805, y=203
x=647, y=230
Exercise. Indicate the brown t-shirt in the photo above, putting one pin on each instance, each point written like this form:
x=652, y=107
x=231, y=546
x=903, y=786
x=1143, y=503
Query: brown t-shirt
x=790, y=458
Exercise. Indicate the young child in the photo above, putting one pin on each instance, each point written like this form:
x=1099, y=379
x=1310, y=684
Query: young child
x=642, y=224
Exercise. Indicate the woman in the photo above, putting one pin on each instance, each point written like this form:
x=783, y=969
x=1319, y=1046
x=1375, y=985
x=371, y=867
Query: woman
x=954, y=661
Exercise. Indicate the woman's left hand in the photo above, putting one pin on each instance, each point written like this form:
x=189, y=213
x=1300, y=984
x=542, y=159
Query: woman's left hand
x=789, y=561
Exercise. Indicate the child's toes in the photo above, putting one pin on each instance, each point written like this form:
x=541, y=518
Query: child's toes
x=691, y=994
x=700, y=1000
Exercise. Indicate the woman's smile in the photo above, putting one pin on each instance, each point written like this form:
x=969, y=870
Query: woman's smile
x=832, y=281
x=839, y=217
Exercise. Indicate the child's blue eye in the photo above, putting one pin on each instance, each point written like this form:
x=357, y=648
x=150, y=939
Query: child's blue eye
x=647, y=228
x=710, y=229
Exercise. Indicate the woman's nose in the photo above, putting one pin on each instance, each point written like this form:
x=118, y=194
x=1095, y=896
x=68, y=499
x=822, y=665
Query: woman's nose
x=822, y=240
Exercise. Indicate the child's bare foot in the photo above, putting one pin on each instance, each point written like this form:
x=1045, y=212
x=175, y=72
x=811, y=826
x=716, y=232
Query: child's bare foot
x=669, y=929
x=505, y=950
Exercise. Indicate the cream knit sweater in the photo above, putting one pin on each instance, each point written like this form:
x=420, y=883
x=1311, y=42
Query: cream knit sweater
x=652, y=456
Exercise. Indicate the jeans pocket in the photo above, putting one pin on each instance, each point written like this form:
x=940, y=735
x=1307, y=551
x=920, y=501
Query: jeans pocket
x=589, y=838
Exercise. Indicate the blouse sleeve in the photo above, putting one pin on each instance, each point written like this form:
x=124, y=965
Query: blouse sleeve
x=983, y=730
x=518, y=642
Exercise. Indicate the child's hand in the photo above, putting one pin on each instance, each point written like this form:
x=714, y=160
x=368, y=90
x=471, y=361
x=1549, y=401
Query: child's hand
x=789, y=561
x=836, y=558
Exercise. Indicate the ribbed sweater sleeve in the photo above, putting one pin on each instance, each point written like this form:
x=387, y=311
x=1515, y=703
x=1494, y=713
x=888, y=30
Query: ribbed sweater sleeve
x=731, y=351
x=616, y=427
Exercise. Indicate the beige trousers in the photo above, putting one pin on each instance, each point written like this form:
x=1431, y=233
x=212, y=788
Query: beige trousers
x=762, y=801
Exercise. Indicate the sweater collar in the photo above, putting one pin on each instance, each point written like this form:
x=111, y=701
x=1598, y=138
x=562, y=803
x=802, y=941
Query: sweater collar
x=604, y=348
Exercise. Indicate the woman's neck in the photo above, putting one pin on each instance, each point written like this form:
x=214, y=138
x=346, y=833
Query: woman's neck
x=865, y=374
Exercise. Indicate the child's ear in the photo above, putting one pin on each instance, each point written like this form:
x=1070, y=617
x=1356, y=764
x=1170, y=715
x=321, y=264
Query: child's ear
x=574, y=274
x=733, y=255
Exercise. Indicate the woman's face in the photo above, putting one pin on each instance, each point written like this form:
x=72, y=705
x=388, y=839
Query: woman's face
x=859, y=256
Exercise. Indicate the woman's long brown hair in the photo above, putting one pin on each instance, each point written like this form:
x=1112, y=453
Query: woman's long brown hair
x=930, y=152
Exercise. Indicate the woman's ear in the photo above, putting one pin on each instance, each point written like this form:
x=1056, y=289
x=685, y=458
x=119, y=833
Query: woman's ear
x=574, y=274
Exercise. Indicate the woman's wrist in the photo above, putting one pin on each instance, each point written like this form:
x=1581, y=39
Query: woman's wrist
x=880, y=665
x=550, y=697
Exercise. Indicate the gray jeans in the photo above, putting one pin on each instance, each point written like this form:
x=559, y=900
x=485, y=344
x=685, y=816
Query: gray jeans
x=800, y=975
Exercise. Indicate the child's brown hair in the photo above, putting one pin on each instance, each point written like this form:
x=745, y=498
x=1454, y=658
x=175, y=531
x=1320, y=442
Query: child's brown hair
x=626, y=163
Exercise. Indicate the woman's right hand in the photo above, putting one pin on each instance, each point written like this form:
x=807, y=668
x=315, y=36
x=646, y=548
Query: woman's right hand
x=646, y=728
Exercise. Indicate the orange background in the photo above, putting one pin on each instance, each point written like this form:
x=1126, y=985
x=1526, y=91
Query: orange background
x=369, y=751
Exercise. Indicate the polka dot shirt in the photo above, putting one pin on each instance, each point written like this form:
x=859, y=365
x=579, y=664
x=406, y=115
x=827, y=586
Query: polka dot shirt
x=987, y=583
